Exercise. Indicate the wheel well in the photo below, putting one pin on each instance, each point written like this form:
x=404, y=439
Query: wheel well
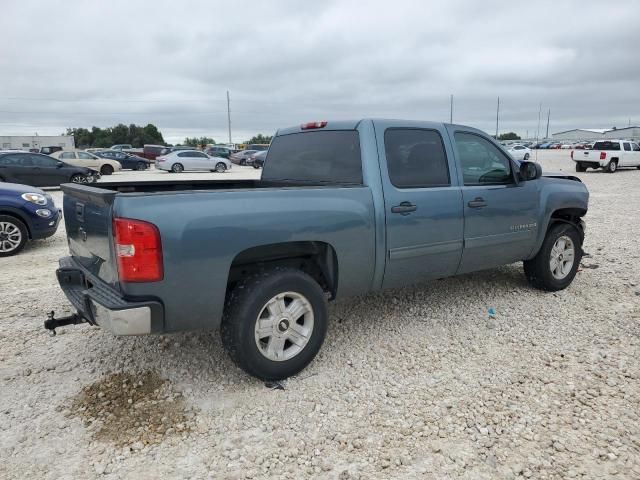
x=317, y=259
x=18, y=217
x=569, y=215
x=614, y=159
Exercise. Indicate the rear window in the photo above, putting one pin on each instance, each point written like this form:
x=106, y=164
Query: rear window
x=326, y=156
x=606, y=146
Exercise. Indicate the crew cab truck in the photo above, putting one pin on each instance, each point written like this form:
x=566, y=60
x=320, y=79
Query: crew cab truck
x=342, y=208
x=608, y=155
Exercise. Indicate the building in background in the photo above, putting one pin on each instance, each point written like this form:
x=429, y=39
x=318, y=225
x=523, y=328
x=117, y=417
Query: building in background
x=582, y=134
x=17, y=142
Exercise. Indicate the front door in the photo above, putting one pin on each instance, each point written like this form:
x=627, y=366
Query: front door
x=49, y=170
x=423, y=204
x=500, y=213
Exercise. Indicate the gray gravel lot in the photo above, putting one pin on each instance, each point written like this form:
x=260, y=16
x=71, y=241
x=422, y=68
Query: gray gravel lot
x=410, y=383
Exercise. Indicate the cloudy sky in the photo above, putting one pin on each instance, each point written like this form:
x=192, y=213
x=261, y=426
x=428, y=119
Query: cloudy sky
x=79, y=64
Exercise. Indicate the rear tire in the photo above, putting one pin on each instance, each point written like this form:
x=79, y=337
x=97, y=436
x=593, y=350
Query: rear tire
x=611, y=167
x=580, y=167
x=221, y=167
x=13, y=235
x=177, y=168
x=526, y=157
x=106, y=170
x=539, y=270
x=243, y=162
x=261, y=301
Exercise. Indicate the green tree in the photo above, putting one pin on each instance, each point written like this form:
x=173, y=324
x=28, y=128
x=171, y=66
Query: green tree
x=260, y=138
x=136, y=135
x=508, y=136
x=196, y=142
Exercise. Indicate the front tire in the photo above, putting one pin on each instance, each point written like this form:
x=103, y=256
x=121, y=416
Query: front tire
x=274, y=323
x=556, y=264
x=13, y=235
x=221, y=167
x=141, y=166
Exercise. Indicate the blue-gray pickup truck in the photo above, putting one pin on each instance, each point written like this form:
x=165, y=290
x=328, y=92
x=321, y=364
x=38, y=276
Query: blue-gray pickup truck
x=342, y=208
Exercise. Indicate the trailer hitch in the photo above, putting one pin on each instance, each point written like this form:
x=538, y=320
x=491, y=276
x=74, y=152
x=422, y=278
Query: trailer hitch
x=51, y=323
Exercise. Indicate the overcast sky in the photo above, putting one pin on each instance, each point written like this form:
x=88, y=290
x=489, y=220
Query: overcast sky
x=170, y=63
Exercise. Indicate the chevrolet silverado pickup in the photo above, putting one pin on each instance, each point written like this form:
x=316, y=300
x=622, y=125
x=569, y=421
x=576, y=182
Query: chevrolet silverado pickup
x=342, y=208
x=608, y=155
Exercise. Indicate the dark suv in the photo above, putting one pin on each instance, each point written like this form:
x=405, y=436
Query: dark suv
x=223, y=152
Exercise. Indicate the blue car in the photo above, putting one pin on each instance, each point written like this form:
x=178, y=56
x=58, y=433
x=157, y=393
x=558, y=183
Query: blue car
x=26, y=213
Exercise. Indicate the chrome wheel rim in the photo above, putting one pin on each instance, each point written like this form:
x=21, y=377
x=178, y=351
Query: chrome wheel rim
x=221, y=167
x=284, y=326
x=79, y=179
x=10, y=237
x=562, y=257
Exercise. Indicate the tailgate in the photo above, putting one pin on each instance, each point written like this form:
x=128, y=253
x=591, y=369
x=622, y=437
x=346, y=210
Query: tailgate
x=87, y=216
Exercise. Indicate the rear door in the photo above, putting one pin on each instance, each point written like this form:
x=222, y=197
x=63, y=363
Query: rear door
x=500, y=214
x=635, y=154
x=423, y=204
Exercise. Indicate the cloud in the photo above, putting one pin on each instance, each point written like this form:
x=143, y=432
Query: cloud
x=77, y=63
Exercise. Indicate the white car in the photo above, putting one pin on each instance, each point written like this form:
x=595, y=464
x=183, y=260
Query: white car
x=566, y=146
x=81, y=158
x=193, y=160
x=519, y=152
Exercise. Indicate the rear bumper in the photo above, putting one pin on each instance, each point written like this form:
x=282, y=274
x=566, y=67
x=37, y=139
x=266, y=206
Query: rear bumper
x=102, y=305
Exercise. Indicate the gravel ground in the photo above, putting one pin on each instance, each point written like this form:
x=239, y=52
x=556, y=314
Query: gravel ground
x=417, y=382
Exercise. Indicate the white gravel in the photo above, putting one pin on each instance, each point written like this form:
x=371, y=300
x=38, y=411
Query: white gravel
x=410, y=383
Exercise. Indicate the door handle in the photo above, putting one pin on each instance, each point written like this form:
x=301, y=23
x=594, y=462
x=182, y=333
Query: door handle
x=478, y=202
x=405, y=208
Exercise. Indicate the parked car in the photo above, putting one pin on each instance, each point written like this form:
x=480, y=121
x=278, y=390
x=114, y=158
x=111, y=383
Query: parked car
x=150, y=151
x=608, y=155
x=175, y=148
x=40, y=170
x=80, y=158
x=257, y=159
x=566, y=146
x=26, y=213
x=257, y=146
x=127, y=160
x=355, y=222
x=519, y=152
x=122, y=146
x=217, y=151
x=49, y=150
x=191, y=160
x=241, y=157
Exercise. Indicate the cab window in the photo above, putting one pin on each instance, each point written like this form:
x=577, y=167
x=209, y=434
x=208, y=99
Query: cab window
x=481, y=161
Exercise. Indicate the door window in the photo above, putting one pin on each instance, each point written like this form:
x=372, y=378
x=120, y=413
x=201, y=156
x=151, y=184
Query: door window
x=43, y=161
x=85, y=156
x=627, y=147
x=416, y=158
x=482, y=162
x=636, y=147
x=67, y=156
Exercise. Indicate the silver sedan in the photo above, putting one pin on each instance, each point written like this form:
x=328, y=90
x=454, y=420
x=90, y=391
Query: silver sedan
x=191, y=160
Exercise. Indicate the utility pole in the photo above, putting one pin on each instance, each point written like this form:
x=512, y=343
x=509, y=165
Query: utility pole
x=538, y=131
x=497, y=117
x=548, y=115
x=229, y=116
x=451, y=110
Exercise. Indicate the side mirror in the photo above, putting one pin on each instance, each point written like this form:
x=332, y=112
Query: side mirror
x=530, y=171
x=59, y=165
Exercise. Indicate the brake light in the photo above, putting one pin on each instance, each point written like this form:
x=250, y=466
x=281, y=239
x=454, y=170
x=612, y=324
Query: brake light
x=603, y=155
x=312, y=125
x=138, y=250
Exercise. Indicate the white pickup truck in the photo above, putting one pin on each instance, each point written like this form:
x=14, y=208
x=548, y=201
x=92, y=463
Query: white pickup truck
x=608, y=155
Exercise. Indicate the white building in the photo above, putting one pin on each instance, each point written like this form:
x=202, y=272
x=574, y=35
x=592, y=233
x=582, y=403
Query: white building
x=581, y=134
x=15, y=142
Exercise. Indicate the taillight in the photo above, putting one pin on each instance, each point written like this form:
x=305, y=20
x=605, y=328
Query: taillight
x=312, y=125
x=603, y=155
x=138, y=250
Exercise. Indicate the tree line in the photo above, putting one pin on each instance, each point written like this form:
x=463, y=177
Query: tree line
x=137, y=136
